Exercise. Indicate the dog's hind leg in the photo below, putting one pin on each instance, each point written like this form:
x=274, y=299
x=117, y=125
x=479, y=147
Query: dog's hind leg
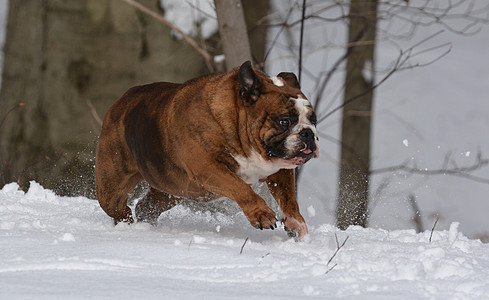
x=116, y=175
x=113, y=196
x=152, y=205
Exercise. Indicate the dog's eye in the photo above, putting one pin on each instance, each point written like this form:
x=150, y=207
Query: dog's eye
x=285, y=123
x=313, y=119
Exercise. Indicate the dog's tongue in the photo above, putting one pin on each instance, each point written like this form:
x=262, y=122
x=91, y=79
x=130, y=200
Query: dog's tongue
x=307, y=151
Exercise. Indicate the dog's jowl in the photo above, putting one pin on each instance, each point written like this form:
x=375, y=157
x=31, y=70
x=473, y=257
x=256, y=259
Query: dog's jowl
x=209, y=137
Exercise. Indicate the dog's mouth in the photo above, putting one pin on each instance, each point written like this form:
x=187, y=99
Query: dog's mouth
x=302, y=156
x=305, y=149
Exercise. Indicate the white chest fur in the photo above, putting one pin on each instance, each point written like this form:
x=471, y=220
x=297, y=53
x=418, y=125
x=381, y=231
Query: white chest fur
x=255, y=167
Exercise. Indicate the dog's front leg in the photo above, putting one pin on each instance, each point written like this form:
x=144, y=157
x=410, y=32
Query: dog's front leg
x=221, y=181
x=282, y=187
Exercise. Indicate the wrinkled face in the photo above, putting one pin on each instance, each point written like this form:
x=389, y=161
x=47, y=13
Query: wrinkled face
x=289, y=131
x=281, y=119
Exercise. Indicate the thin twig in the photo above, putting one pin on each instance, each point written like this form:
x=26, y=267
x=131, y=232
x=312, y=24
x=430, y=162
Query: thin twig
x=242, y=247
x=330, y=269
x=432, y=229
x=328, y=76
x=397, y=65
x=272, y=45
x=94, y=113
x=9, y=111
x=330, y=73
x=338, y=247
x=263, y=257
x=185, y=36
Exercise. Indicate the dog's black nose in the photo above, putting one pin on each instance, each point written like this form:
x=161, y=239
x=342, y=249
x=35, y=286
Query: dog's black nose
x=307, y=134
x=308, y=137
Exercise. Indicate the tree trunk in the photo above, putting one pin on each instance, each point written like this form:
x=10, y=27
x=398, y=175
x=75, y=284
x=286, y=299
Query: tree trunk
x=234, y=36
x=356, y=122
x=254, y=11
x=61, y=59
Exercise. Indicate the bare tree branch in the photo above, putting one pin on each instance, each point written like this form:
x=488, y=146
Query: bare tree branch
x=289, y=13
x=463, y=172
x=399, y=65
x=208, y=58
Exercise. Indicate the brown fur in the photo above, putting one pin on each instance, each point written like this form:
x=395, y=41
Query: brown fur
x=181, y=139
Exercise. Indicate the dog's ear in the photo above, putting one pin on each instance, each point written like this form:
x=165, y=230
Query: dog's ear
x=290, y=78
x=249, y=83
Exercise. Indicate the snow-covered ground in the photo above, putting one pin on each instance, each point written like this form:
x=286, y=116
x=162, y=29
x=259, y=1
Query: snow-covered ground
x=67, y=248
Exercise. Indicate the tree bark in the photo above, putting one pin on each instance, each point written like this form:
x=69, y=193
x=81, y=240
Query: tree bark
x=234, y=36
x=353, y=189
x=254, y=11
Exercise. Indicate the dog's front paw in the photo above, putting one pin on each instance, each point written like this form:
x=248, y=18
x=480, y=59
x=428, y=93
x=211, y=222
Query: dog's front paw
x=263, y=218
x=295, y=226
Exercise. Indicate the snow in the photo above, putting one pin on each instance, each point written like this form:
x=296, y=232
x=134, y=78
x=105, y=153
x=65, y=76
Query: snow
x=311, y=211
x=219, y=58
x=66, y=247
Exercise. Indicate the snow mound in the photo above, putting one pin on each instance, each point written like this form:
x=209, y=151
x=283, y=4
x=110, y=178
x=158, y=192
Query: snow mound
x=58, y=247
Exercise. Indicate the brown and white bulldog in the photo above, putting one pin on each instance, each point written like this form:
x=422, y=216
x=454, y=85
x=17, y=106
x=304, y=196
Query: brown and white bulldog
x=209, y=137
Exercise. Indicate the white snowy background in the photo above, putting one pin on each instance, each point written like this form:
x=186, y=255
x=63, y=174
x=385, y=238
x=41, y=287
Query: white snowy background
x=54, y=247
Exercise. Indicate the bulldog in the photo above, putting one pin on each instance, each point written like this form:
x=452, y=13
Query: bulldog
x=209, y=137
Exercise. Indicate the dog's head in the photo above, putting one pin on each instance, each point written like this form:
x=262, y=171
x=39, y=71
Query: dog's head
x=281, y=118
